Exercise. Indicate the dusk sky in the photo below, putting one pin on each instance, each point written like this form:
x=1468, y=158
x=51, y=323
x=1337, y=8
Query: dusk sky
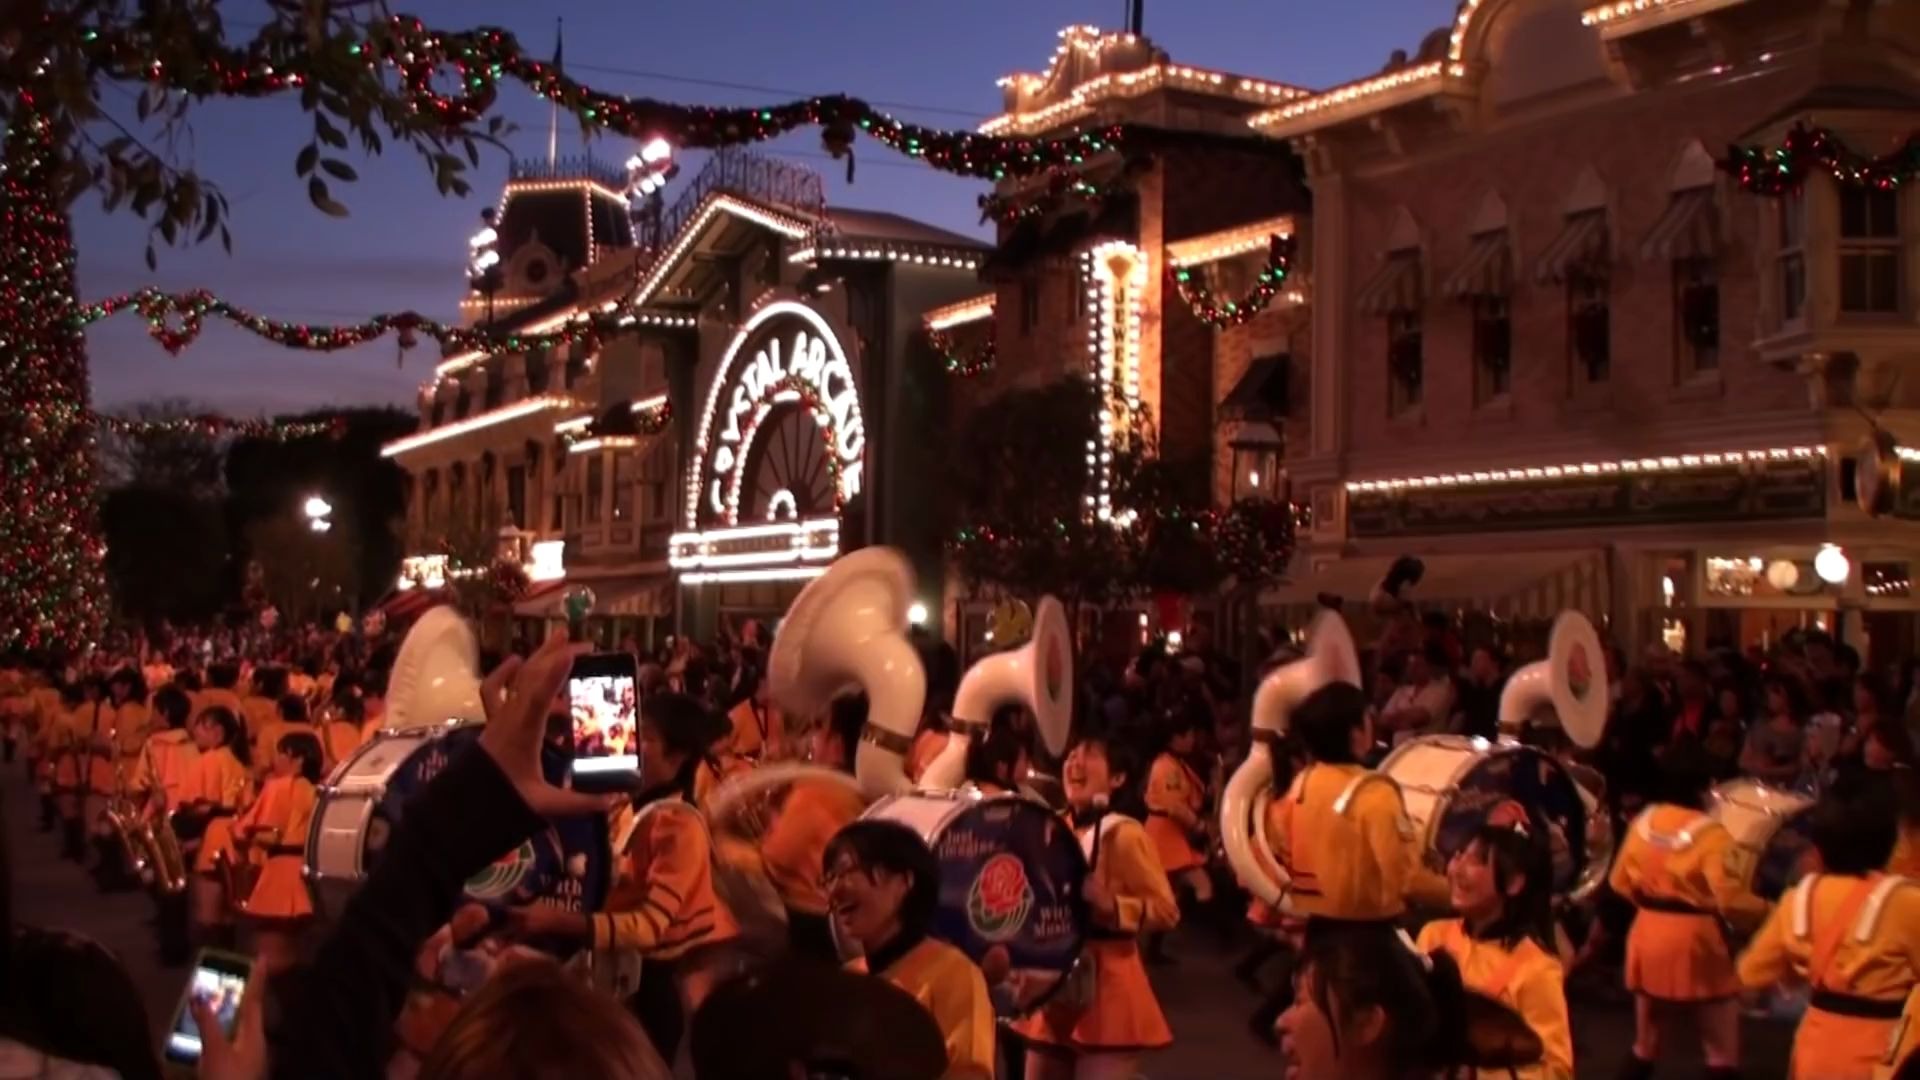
x=403, y=247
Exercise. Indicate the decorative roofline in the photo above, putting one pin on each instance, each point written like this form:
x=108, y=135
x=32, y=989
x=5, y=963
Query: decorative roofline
x=1619, y=18
x=1228, y=243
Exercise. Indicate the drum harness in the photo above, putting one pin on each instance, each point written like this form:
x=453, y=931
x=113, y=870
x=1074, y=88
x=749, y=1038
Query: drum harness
x=1305, y=881
x=1861, y=912
x=1664, y=845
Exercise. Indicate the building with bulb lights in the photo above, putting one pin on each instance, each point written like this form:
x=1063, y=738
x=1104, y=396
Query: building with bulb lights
x=1567, y=361
x=755, y=414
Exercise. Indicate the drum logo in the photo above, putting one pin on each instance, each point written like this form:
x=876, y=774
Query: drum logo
x=504, y=876
x=1000, y=898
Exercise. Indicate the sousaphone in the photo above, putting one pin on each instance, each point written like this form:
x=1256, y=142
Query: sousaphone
x=436, y=677
x=1037, y=676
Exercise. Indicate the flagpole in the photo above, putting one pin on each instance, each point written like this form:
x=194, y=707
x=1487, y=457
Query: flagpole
x=553, y=116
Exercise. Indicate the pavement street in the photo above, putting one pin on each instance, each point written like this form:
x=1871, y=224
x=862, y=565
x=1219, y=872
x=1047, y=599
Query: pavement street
x=1205, y=1004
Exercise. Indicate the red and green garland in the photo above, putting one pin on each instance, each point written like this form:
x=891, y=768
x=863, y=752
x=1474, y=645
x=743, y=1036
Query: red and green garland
x=1063, y=186
x=1218, y=314
x=174, y=320
x=966, y=363
x=1250, y=541
x=1781, y=170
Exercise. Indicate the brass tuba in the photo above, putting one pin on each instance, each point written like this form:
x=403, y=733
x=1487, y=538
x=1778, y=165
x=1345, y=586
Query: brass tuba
x=167, y=858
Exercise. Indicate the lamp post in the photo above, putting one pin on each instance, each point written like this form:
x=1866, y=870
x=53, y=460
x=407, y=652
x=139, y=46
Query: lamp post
x=648, y=171
x=319, y=513
x=483, y=259
x=1257, y=447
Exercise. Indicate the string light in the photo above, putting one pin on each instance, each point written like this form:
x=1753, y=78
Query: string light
x=966, y=363
x=1665, y=464
x=812, y=540
x=721, y=577
x=492, y=418
x=1200, y=299
x=917, y=254
x=1229, y=243
x=1115, y=275
x=222, y=427
x=971, y=310
x=1784, y=169
x=1625, y=10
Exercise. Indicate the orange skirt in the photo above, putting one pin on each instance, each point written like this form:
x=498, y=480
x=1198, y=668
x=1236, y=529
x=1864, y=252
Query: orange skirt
x=218, y=839
x=1124, y=1015
x=281, y=892
x=1679, y=957
x=1171, y=844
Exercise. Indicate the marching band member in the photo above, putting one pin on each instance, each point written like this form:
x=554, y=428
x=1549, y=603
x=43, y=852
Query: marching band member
x=70, y=749
x=1127, y=894
x=884, y=884
x=997, y=761
x=260, y=709
x=663, y=904
x=163, y=774
x=759, y=731
x=340, y=734
x=1852, y=933
x=1341, y=831
x=927, y=744
x=45, y=712
x=219, y=787
x=219, y=691
x=121, y=726
x=793, y=850
x=1503, y=942
x=290, y=718
x=373, y=700
x=1176, y=797
x=276, y=825
x=1675, y=866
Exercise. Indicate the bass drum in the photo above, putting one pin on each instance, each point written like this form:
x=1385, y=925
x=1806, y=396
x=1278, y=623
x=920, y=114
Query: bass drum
x=570, y=865
x=1450, y=783
x=1010, y=878
x=1771, y=827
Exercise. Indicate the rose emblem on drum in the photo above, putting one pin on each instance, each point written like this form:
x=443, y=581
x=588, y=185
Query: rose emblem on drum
x=504, y=876
x=1000, y=898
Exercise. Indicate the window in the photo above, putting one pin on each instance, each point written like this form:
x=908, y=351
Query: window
x=622, y=487
x=1589, y=325
x=439, y=409
x=596, y=486
x=1029, y=305
x=517, y=495
x=1405, y=361
x=1696, y=315
x=1793, y=257
x=576, y=363
x=558, y=522
x=496, y=383
x=462, y=402
x=657, y=501
x=1869, y=250
x=537, y=372
x=1492, y=347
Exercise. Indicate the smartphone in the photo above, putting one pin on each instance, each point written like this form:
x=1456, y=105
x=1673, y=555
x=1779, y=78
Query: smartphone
x=219, y=978
x=603, y=697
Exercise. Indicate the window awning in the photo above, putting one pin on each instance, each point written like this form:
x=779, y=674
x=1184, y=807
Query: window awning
x=1582, y=244
x=1261, y=393
x=1690, y=229
x=1512, y=585
x=1395, y=287
x=1487, y=271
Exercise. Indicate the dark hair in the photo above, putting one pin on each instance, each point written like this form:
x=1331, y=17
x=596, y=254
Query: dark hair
x=1357, y=966
x=1512, y=853
x=1883, y=700
x=1122, y=761
x=186, y=678
x=271, y=682
x=847, y=718
x=130, y=678
x=1326, y=720
x=173, y=705
x=350, y=708
x=1684, y=777
x=293, y=709
x=1790, y=689
x=232, y=735
x=532, y=1019
x=1436, y=656
x=1855, y=831
x=302, y=745
x=223, y=675
x=373, y=681
x=686, y=726
x=992, y=757
x=891, y=846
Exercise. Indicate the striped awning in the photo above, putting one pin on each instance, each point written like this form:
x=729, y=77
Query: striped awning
x=1487, y=271
x=1395, y=287
x=1581, y=245
x=1690, y=229
x=1517, y=585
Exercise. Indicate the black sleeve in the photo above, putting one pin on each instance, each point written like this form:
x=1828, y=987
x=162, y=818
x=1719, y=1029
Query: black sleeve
x=335, y=1017
x=70, y=998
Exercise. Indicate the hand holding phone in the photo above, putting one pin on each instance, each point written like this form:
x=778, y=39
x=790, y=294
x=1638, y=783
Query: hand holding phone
x=604, y=703
x=211, y=1003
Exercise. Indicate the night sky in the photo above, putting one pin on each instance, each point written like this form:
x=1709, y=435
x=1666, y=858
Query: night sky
x=403, y=247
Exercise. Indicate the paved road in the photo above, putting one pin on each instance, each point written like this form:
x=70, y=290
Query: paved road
x=1205, y=1004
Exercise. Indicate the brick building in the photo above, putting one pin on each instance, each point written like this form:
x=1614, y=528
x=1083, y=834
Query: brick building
x=1564, y=359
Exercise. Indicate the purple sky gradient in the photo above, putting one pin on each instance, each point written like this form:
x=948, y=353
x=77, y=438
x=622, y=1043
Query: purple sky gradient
x=403, y=246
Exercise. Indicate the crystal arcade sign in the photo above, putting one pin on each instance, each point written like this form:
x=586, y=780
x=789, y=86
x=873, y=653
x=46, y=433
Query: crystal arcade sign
x=779, y=451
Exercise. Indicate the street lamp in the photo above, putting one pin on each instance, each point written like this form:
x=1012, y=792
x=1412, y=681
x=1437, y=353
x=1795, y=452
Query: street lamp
x=648, y=171
x=318, y=511
x=483, y=259
x=1256, y=447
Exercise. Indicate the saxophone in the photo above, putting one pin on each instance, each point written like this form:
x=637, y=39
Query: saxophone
x=166, y=860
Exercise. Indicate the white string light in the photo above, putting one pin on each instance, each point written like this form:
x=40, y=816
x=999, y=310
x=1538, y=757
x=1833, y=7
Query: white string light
x=716, y=204
x=1115, y=276
x=812, y=540
x=917, y=254
x=1626, y=10
x=1664, y=464
x=719, y=577
x=971, y=310
x=1227, y=243
x=491, y=418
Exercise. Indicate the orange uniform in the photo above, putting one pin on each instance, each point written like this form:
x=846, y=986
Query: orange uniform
x=276, y=825
x=258, y=714
x=1856, y=943
x=269, y=741
x=757, y=731
x=126, y=725
x=220, y=781
x=165, y=765
x=1173, y=791
x=1123, y=1014
x=339, y=740
x=1342, y=835
x=926, y=746
x=663, y=901
x=954, y=993
x=1527, y=979
x=222, y=697
x=1905, y=860
x=1680, y=867
x=795, y=845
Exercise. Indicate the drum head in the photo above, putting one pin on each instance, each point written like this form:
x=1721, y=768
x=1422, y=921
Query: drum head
x=1010, y=876
x=1537, y=782
x=1786, y=857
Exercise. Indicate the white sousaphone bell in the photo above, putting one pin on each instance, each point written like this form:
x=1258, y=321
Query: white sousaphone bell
x=1572, y=680
x=1330, y=658
x=436, y=677
x=1038, y=676
x=848, y=628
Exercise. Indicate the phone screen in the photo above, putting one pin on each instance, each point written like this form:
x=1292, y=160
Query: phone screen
x=220, y=979
x=603, y=697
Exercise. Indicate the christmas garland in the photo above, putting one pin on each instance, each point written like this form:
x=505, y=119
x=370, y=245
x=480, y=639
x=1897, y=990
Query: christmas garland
x=1210, y=310
x=1062, y=185
x=968, y=363
x=1783, y=169
x=650, y=421
x=221, y=426
x=478, y=60
x=1251, y=540
x=176, y=319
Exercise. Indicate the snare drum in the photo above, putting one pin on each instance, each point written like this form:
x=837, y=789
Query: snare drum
x=1771, y=825
x=1449, y=783
x=1010, y=877
x=570, y=865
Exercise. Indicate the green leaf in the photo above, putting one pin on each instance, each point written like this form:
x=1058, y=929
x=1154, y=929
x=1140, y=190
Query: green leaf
x=339, y=170
x=303, y=164
x=170, y=230
x=328, y=134
x=152, y=262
